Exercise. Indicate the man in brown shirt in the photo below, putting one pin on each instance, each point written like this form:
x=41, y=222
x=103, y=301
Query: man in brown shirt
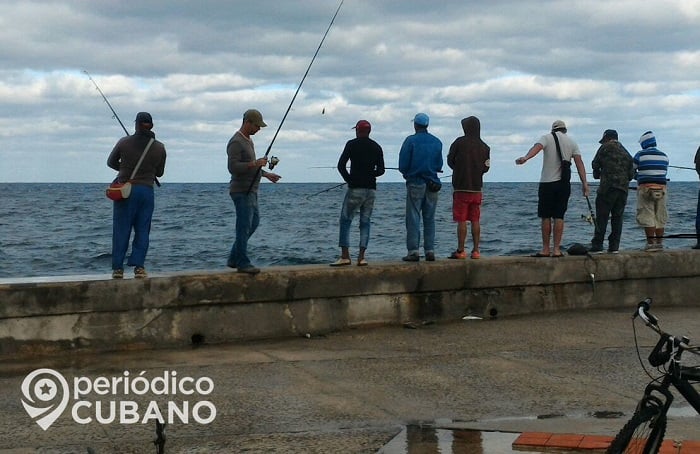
x=136, y=211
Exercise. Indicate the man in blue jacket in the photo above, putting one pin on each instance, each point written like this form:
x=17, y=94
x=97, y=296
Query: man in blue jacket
x=420, y=160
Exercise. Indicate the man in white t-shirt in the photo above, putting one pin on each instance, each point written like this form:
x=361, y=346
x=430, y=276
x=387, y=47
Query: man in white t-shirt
x=554, y=191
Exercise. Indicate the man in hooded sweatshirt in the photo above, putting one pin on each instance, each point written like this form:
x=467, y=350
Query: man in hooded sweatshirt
x=469, y=159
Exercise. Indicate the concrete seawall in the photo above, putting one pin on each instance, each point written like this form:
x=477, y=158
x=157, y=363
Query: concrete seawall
x=41, y=315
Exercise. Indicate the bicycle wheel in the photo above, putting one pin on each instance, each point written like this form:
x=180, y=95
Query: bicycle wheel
x=642, y=434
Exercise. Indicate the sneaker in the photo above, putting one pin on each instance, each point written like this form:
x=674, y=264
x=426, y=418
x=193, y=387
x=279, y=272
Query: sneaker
x=362, y=262
x=118, y=274
x=596, y=250
x=697, y=246
x=411, y=258
x=458, y=255
x=140, y=272
x=429, y=256
x=476, y=255
x=231, y=265
x=613, y=251
x=249, y=270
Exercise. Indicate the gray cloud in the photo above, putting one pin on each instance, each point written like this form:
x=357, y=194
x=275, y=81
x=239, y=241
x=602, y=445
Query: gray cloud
x=196, y=66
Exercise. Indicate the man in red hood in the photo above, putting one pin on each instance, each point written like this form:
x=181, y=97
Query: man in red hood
x=469, y=159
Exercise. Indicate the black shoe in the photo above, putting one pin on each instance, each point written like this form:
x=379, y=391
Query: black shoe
x=697, y=246
x=249, y=270
x=596, y=250
x=231, y=265
x=411, y=258
x=429, y=256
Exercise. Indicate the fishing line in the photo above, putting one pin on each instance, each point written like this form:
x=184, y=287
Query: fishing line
x=297, y=92
x=114, y=114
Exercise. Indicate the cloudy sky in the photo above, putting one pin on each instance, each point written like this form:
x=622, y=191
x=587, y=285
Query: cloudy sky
x=197, y=66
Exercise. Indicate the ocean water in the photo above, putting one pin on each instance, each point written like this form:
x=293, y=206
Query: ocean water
x=62, y=229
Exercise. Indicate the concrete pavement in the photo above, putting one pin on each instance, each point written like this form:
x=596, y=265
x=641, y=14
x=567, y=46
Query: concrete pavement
x=353, y=391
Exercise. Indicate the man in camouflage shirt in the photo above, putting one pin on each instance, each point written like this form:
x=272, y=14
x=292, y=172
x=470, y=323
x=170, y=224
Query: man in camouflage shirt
x=614, y=166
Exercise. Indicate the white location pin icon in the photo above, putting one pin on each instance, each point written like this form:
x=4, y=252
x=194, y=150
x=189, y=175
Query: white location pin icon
x=45, y=395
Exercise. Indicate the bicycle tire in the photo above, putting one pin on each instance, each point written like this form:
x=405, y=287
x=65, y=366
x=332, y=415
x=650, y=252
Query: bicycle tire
x=643, y=433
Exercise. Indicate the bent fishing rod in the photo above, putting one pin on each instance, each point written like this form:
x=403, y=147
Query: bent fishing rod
x=296, y=93
x=114, y=113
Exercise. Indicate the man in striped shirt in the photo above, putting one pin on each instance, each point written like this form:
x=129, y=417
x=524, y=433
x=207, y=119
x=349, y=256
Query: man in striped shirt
x=650, y=169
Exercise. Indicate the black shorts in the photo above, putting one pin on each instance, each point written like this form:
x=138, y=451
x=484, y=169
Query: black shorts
x=553, y=199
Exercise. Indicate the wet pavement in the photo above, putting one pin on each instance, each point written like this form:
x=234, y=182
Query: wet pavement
x=358, y=391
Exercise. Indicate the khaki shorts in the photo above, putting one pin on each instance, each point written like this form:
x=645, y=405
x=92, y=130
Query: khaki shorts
x=651, y=207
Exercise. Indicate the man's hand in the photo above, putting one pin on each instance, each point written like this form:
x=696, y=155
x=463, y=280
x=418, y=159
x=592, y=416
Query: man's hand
x=272, y=177
x=262, y=162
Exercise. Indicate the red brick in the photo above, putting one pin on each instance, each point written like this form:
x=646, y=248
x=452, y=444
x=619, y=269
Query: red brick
x=564, y=441
x=532, y=439
x=595, y=442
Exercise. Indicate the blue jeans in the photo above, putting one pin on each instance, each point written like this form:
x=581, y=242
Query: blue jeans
x=134, y=213
x=247, y=221
x=697, y=219
x=420, y=202
x=356, y=199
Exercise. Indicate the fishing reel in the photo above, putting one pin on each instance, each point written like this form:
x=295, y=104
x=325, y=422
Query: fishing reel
x=272, y=162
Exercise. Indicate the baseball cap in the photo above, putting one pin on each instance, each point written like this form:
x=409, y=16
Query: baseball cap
x=558, y=124
x=143, y=117
x=362, y=125
x=608, y=134
x=421, y=119
x=255, y=117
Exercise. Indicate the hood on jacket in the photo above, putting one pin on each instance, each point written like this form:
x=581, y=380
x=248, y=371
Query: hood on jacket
x=472, y=127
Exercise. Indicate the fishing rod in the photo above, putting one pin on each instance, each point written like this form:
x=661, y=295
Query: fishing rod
x=681, y=235
x=335, y=167
x=342, y=184
x=295, y=95
x=114, y=114
x=591, y=216
x=324, y=190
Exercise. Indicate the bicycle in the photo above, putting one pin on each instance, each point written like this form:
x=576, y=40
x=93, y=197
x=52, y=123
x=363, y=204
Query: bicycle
x=645, y=431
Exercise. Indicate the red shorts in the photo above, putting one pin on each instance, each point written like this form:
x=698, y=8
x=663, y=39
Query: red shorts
x=466, y=206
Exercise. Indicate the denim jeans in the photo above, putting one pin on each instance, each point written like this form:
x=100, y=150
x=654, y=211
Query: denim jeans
x=247, y=221
x=134, y=213
x=420, y=202
x=356, y=199
x=697, y=219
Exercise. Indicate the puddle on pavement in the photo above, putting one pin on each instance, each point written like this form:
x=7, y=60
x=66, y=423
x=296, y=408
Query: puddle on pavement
x=425, y=439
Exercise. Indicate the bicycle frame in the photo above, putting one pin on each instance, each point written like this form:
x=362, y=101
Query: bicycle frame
x=680, y=377
x=668, y=350
x=645, y=430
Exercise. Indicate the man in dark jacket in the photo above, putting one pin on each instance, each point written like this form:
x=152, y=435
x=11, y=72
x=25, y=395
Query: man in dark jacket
x=697, y=213
x=614, y=167
x=136, y=211
x=366, y=164
x=469, y=159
